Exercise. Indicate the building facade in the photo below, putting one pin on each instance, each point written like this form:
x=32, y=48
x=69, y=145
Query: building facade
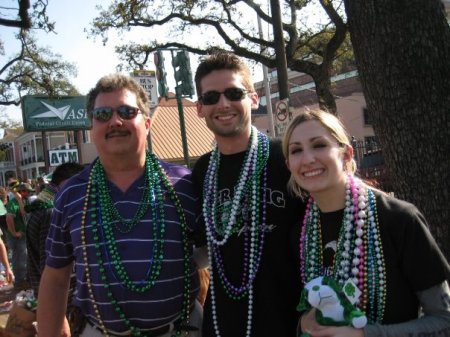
x=351, y=110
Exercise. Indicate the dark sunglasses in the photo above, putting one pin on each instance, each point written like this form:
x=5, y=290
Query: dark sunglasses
x=104, y=114
x=233, y=94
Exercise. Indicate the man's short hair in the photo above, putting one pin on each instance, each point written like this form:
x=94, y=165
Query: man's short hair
x=223, y=60
x=65, y=171
x=113, y=82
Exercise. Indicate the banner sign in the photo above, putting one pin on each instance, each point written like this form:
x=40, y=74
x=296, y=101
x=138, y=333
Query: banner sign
x=58, y=157
x=147, y=79
x=42, y=113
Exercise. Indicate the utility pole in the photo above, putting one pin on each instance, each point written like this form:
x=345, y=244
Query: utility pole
x=266, y=82
x=283, y=88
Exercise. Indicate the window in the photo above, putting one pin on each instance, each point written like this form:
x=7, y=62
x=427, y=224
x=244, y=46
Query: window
x=367, y=120
x=86, y=136
x=371, y=144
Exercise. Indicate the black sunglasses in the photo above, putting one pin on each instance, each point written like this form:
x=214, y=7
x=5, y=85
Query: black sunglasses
x=104, y=114
x=233, y=94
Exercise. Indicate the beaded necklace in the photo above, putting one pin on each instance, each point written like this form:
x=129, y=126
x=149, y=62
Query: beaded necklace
x=359, y=254
x=249, y=188
x=102, y=208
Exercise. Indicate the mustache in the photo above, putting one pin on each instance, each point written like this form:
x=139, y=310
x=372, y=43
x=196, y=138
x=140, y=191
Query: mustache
x=115, y=133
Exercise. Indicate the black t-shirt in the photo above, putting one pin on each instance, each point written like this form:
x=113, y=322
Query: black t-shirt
x=413, y=260
x=276, y=288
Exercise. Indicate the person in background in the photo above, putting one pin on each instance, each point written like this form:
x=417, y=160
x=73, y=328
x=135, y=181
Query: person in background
x=8, y=273
x=253, y=287
x=40, y=184
x=3, y=202
x=38, y=224
x=360, y=235
x=125, y=222
x=15, y=236
x=11, y=185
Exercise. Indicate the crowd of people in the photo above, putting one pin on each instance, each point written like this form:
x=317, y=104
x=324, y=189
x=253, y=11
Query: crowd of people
x=24, y=228
x=115, y=247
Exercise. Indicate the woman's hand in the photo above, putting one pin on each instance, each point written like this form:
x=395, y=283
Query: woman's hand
x=334, y=331
x=308, y=322
x=309, y=325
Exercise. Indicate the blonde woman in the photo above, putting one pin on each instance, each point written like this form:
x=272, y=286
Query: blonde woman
x=356, y=233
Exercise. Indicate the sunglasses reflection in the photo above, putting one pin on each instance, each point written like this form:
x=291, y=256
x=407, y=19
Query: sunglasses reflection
x=232, y=94
x=104, y=114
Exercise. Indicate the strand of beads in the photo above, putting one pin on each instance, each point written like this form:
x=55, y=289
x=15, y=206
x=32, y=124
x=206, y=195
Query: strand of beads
x=311, y=238
x=255, y=243
x=106, y=229
x=108, y=203
x=249, y=188
x=90, y=197
x=376, y=264
x=359, y=256
x=85, y=255
x=210, y=188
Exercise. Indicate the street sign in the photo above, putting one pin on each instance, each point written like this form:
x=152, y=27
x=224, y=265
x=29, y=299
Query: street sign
x=58, y=157
x=147, y=79
x=44, y=113
x=281, y=128
x=282, y=110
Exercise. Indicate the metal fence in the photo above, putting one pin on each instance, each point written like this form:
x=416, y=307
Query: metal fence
x=371, y=167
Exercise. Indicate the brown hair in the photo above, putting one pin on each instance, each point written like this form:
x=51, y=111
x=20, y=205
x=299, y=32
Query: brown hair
x=223, y=60
x=115, y=82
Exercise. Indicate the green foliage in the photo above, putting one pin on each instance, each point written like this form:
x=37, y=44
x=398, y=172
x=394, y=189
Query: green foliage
x=11, y=124
x=202, y=26
x=39, y=16
x=35, y=70
x=21, y=17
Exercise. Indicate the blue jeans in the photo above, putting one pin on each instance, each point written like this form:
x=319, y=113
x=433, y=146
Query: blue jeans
x=18, y=249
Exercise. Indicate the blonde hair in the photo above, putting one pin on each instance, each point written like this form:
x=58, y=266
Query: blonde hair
x=333, y=125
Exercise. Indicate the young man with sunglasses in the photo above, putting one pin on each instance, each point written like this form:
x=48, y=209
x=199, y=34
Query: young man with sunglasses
x=254, y=284
x=124, y=222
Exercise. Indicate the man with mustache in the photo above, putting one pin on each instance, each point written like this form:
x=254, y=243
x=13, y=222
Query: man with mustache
x=124, y=222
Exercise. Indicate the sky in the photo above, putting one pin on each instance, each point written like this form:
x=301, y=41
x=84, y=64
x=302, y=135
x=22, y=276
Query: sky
x=92, y=59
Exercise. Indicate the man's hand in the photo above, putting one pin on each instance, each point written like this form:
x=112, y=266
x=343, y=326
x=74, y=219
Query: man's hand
x=9, y=275
x=17, y=234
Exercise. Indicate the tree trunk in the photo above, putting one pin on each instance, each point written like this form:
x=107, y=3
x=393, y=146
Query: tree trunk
x=324, y=93
x=402, y=50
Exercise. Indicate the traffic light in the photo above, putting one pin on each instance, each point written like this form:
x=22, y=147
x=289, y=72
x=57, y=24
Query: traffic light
x=183, y=74
x=161, y=74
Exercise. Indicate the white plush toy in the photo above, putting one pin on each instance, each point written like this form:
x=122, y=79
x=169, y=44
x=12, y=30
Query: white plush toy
x=333, y=307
